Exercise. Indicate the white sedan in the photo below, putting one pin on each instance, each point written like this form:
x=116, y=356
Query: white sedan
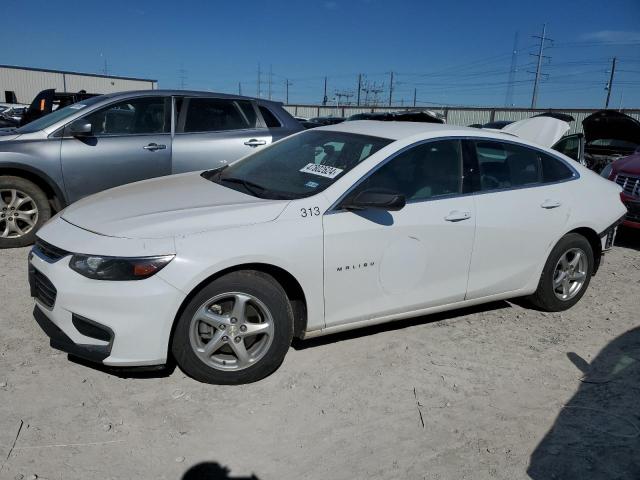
x=331, y=229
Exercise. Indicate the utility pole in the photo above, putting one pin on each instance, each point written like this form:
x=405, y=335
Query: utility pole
x=287, y=84
x=508, y=101
x=610, y=84
x=239, y=88
x=270, y=80
x=359, y=88
x=415, y=93
x=540, y=56
x=390, y=88
x=259, y=81
x=324, y=98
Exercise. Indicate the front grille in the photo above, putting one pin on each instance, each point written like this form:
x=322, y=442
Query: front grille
x=42, y=288
x=49, y=252
x=630, y=184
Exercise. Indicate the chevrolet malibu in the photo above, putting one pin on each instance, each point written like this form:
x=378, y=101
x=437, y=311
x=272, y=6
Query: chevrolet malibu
x=331, y=229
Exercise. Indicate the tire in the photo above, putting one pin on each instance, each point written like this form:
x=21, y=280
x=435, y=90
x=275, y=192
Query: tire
x=208, y=321
x=549, y=295
x=28, y=197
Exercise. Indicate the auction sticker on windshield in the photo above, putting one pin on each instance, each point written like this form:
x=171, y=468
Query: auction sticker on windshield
x=321, y=170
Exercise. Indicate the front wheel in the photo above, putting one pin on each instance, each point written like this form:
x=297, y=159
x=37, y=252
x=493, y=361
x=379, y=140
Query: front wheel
x=235, y=330
x=566, y=274
x=24, y=208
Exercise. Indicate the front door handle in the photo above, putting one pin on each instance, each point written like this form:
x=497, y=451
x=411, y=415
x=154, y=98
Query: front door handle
x=154, y=146
x=548, y=204
x=254, y=142
x=457, y=216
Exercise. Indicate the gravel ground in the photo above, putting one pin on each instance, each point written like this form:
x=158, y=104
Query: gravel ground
x=473, y=393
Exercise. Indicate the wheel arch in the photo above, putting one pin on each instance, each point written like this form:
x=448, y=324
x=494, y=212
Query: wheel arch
x=594, y=240
x=41, y=179
x=287, y=281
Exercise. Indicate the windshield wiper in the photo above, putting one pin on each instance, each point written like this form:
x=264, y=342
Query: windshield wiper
x=250, y=186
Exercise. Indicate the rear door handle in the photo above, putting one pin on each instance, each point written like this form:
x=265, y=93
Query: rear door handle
x=457, y=216
x=154, y=146
x=548, y=204
x=255, y=142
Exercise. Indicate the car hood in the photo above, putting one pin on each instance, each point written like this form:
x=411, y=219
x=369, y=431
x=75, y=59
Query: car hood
x=630, y=164
x=609, y=124
x=7, y=134
x=169, y=206
x=545, y=131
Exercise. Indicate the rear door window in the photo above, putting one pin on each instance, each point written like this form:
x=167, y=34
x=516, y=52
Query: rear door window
x=218, y=114
x=506, y=165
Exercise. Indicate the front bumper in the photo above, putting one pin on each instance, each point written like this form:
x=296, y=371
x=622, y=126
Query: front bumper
x=115, y=323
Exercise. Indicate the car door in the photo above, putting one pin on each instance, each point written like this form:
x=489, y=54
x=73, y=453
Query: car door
x=521, y=211
x=130, y=140
x=215, y=131
x=381, y=263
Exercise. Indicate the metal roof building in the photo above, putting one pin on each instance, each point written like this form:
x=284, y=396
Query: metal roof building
x=27, y=82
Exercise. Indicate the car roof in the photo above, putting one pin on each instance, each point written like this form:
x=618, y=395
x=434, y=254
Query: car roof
x=400, y=130
x=187, y=93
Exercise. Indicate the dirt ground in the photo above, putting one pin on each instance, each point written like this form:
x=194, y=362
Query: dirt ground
x=495, y=392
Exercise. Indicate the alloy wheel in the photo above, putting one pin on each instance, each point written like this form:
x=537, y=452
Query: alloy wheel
x=570, y=274
x=18, y=213
x=231, y=331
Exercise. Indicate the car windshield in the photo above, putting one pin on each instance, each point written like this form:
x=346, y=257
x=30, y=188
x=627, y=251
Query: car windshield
x=57, y=115
x=298, y=166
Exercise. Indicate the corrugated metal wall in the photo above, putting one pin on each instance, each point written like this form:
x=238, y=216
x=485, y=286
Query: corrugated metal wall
x=28, y=83
x=454, y=116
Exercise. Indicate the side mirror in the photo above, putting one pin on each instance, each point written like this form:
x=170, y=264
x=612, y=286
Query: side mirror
x=378, y=200
x=80, y=128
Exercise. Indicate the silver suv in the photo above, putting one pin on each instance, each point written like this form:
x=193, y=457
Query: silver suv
x=113, y=139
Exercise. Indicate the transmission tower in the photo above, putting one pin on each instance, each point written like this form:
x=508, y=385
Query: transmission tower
x=182, y=75
x=508, y=101
x=543, y=39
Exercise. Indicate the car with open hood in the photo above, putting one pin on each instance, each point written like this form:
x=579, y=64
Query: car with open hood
x=607, y=136
x=327, y=230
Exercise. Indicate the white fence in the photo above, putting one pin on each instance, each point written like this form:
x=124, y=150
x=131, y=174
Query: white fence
x=453, y=115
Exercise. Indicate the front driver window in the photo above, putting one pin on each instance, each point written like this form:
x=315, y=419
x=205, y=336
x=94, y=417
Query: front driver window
x=430, y=170
x=137, y=116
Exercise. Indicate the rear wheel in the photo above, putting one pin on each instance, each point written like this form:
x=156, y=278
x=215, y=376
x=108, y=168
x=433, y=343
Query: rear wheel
x=24, y=208
x=566, y=274
x=235, y=330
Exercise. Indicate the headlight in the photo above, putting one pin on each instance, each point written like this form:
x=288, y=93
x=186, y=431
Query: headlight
x=606, y=171
x=117, y=268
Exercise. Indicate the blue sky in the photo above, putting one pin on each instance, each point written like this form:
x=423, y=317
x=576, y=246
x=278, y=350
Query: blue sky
x=451, y=52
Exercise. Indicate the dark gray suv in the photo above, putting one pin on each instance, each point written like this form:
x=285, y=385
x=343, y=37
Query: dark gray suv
x=113, y=139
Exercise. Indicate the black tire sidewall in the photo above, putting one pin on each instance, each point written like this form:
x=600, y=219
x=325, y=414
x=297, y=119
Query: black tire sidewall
x=545, y=297
x=266, y=289
x=41, y=201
